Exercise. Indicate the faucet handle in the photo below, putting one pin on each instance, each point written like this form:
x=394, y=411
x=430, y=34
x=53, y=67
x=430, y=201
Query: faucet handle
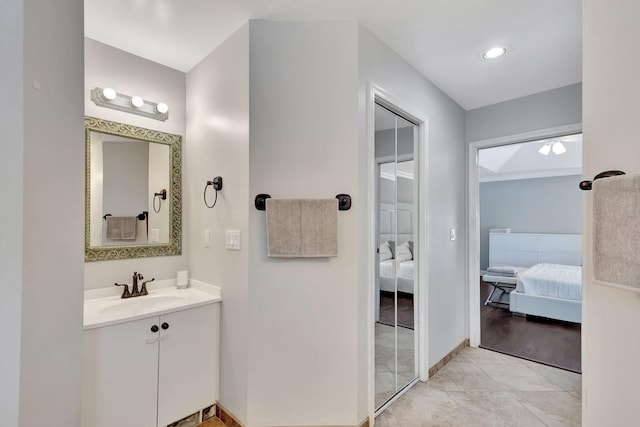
x=144, y=287
x=125, y=293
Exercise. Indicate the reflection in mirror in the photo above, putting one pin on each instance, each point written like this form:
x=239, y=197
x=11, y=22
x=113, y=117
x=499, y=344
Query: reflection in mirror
x=395, y=340
x=133, y=192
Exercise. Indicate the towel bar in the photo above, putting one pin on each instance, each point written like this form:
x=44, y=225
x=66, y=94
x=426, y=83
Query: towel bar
x=141, y=216
x=344, y=201
x=586, y=185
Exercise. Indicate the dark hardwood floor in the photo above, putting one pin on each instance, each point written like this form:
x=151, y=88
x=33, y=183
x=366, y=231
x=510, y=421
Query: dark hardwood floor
x=547, y=341
x=405, y=309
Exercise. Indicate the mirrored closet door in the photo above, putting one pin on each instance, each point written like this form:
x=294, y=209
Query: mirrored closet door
x=396, y=305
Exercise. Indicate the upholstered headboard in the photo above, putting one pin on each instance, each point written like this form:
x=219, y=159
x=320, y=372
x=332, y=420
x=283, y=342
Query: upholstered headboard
x=402, y=216
x=527, y=249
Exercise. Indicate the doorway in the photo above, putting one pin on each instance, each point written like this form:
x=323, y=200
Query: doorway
x=522, y=193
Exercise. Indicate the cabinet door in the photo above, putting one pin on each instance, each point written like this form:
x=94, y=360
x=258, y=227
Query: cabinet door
x=120, y=375
x=188, y=367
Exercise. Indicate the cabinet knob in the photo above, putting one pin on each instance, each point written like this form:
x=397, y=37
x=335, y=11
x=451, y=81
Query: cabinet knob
x=154, y=328
x=165, y=325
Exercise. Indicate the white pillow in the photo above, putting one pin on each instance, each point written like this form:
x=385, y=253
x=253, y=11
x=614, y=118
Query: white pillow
x=385, y=251
x=403, y=252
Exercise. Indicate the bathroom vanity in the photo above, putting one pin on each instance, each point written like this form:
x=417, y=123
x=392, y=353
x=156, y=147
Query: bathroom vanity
x=151, y=360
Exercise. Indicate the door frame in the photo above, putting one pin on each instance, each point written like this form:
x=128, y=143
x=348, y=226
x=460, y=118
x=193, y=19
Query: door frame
x=376, y=94
x=473, y=204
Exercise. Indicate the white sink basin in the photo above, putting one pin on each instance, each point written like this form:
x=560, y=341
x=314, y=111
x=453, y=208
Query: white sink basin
x=143, y=304
x=102, y=307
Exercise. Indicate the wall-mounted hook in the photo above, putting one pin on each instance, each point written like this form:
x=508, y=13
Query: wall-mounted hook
x=162, y=195
x=216, y=183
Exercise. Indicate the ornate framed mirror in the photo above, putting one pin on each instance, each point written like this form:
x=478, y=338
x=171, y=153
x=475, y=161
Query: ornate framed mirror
x=133, y=191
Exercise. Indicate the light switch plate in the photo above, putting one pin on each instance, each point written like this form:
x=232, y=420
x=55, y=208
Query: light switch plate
x=155, y=235
x=452, y=234
x=206, y=239
x=233, y=240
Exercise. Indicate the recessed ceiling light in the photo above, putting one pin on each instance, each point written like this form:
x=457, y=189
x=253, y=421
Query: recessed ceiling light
x=494, y=52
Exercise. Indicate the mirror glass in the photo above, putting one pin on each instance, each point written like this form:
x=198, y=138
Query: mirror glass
x=395, y=338
x=133, y=191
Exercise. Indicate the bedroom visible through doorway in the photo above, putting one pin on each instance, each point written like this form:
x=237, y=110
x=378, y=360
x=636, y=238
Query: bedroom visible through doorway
x=530, y=249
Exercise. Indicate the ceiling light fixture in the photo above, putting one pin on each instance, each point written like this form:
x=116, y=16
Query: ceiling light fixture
x=109, y=98
x=494, y=52
x=556, y=146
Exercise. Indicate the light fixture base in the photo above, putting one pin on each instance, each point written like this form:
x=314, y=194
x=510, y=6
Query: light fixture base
x=123, y=103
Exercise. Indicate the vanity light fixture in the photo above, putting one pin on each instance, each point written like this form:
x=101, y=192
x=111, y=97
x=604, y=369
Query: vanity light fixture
x=494, y=52
x=109, y=93
x=162, y=108
x=109, y=98
x=137, y=102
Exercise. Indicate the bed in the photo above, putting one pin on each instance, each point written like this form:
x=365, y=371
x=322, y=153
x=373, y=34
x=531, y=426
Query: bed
x=390, y=269
x=551, y=284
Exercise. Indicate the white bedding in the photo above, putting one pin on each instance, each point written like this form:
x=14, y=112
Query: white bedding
x=551, y=280
x=387, y=269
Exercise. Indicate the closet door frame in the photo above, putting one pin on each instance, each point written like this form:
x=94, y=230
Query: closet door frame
x=376, y=94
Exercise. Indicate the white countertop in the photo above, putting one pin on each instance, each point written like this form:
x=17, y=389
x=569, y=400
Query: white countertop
x=103, y=307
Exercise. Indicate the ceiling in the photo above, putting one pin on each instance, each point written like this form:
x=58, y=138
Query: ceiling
x=523, y=161
x=444, y=40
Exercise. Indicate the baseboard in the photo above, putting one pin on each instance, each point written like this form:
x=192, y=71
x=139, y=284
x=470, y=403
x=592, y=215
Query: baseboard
x=446, y=359
x=231, y=421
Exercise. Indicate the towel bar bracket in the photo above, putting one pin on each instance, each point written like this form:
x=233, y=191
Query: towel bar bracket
x=344, y=201
x=586, y=185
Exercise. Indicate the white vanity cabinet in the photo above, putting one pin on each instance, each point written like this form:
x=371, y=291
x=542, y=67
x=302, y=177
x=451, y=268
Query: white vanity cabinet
x=151, y=371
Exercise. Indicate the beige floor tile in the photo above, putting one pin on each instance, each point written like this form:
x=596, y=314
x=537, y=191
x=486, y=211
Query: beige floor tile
x=566, y=380
x=483, y=388
x=522, y=379
x=553, y=408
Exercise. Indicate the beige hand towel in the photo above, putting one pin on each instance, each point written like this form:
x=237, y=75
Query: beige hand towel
x=121, y=227
x=616, y=231
x=302, y=228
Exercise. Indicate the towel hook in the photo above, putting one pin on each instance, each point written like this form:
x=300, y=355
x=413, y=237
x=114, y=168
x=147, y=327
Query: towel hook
x=216, y=183
x=162, y=195
x=586, y=185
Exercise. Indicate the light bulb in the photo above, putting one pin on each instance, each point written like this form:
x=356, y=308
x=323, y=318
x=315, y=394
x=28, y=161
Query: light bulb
x=558, y=148
x=162, y=108
x=137, y=102
x=545, y=149
x=494, y=52
x=109, y=93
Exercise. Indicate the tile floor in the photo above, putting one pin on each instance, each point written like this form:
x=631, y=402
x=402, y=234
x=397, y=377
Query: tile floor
x=484, y=388
x=385, y=359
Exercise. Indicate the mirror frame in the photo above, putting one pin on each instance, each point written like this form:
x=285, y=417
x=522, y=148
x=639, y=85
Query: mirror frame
x=174, y=247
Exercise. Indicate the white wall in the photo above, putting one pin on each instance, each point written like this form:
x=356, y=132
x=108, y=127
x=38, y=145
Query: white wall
x=541, y=205
x=611, y=343
x=159, y=178
x=446, y=187
x=11, y=183
x=303, y=363
x=106, y=66
x=218, y=144
x=544, y=110
x=53, y=218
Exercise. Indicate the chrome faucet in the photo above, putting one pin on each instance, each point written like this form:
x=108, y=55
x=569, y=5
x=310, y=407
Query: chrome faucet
x=134, y=288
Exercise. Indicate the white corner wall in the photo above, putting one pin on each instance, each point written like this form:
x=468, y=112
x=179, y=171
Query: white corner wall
x=447, y=309
x=106, y=66
x=303, y=313
x=218, y=145
x=11, y=183
x=611, y=342
x=53, y=218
